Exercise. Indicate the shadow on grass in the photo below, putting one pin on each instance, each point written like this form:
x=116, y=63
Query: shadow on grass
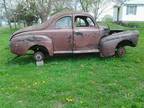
x=71, y=57
x=21, y=60
x=28, y=59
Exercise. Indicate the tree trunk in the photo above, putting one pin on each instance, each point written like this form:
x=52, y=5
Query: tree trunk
x=9, y=23
x=15, y=23
x=96, y=14
x=82, y=5
x=43, y=18
x=44, y=11
x=7, y=16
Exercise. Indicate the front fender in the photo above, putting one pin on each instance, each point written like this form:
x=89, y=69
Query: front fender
x=21, y=44
x=108, y=44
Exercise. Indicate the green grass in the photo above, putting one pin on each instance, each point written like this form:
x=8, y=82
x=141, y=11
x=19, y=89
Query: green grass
x=74, y=81
x=112, y=25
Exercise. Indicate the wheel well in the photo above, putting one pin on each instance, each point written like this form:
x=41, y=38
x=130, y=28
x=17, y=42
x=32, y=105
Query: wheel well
x=125, y=43
x=40, y=48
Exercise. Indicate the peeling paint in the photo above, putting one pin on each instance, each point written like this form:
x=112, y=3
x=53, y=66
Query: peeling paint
x=70, y=40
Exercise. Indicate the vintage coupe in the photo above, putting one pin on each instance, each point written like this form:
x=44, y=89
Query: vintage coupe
x=71, y=32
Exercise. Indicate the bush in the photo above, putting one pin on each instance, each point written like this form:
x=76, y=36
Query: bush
x=133, y=24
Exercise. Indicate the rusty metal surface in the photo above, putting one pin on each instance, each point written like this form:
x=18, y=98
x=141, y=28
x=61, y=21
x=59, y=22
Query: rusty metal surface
x=20, y=45
x=109, y=43
x=70, y=40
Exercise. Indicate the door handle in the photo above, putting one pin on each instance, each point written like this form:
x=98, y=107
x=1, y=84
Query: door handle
x=78, y=33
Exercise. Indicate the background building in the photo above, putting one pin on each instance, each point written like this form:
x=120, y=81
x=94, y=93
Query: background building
x=129, y=11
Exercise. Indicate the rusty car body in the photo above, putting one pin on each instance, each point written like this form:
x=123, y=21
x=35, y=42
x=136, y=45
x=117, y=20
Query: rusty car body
x=71, y=32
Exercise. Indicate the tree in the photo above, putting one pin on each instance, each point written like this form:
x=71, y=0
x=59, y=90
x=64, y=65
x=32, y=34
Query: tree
x=26, y=11
x=62, y=5
x=47, y=7
x=86, y=4
x=9, y=10
x=99, y=7
x=44, y=8
x=31, y=10
x=4, y=5
x=95, y=6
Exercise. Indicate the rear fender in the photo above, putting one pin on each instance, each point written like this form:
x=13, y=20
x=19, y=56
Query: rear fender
x=21, y=44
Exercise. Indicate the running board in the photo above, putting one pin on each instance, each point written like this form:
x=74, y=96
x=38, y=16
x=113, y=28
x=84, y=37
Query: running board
x=86, y=51
x=77, y=52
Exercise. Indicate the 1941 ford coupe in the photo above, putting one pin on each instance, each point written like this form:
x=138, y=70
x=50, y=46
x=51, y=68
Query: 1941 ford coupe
x=71, y=33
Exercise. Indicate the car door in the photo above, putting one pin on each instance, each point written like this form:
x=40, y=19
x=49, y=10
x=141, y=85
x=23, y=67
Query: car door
x=86, y=35
x=62, y=35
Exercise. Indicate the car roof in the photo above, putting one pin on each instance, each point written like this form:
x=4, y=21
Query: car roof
x=72, y=13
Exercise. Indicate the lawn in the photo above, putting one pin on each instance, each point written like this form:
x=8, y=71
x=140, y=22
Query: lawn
x=73, y=81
